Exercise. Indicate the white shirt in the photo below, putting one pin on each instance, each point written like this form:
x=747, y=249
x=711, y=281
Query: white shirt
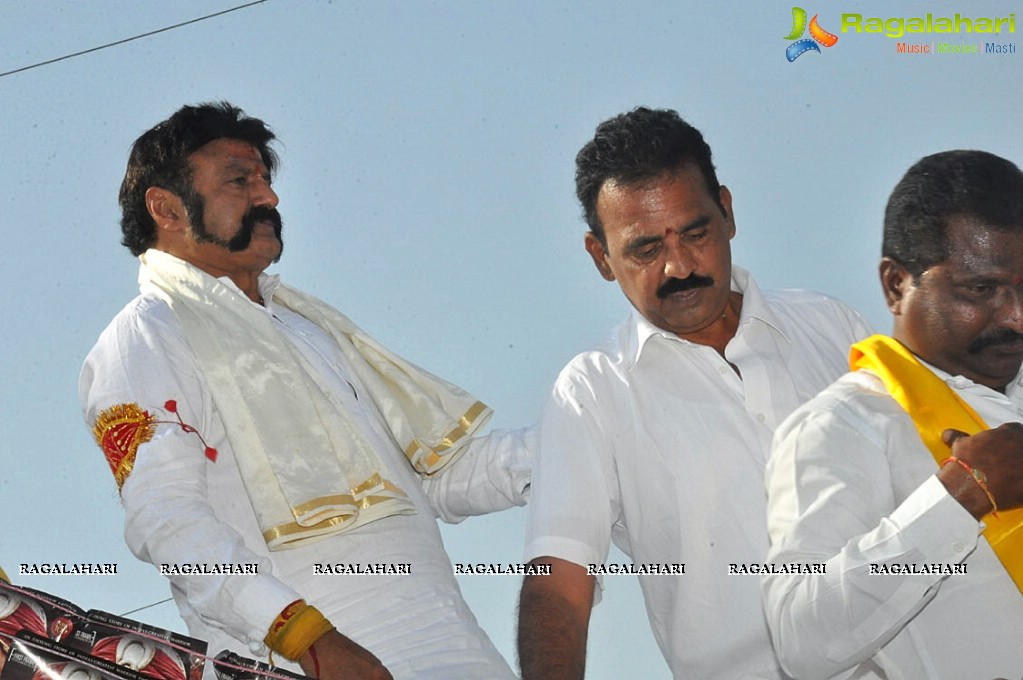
x=852, y=484
x=656, y=443
x=181, y=507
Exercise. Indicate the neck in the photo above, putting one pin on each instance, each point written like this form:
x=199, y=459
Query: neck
x=721, y=331
x=250, y=286
x=247, y=280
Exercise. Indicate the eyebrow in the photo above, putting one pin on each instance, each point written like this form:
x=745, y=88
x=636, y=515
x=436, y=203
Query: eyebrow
x=642, y=241
x=979, y=279
x=698, y=223
x=245, y=167
x=235, y=164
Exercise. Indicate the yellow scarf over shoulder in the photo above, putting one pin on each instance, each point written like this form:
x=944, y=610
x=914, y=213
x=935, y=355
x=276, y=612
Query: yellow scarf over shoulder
x=935, y=407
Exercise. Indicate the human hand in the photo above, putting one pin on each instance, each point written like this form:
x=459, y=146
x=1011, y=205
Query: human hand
x=998, y=454
x=335, y=657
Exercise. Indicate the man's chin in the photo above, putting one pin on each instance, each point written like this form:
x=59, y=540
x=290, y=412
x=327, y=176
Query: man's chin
x=999, y=369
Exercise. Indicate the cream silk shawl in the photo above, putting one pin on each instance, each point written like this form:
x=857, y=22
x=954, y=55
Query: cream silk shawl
x=307, y=469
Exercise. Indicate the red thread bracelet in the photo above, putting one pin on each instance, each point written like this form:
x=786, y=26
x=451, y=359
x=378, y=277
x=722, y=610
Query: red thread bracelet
x=316, y=662
x=978, y=477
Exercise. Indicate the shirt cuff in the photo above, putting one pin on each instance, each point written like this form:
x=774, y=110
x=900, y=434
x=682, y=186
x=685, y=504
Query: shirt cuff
x=936, y=524
x=259, y=603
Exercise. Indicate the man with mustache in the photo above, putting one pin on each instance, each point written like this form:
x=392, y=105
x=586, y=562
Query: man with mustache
x=657, y=440
x=280, y=466
x=918, y=525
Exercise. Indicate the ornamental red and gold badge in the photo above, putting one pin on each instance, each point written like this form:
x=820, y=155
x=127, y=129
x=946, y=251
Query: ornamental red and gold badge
x=122, y=428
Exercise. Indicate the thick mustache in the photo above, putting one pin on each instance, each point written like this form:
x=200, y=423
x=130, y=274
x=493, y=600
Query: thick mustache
x=680, y=285
x=1004, y=336
x=261, y=213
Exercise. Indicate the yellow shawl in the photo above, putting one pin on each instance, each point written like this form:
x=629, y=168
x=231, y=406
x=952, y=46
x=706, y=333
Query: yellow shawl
x=935, y=407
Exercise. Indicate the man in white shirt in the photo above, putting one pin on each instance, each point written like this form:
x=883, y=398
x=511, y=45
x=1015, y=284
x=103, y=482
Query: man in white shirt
x=657, y=440
x=283, y=469
x=875, y=478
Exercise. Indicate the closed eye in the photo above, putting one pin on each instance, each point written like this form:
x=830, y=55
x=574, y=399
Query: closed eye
x=645, y=252
x=979, y=290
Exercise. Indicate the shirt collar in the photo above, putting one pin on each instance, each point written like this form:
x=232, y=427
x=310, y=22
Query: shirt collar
x=959, y=382
x=754, y=310
x=268, y=285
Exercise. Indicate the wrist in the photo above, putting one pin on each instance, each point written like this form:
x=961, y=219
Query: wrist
x=968, y=486
x=296, y=629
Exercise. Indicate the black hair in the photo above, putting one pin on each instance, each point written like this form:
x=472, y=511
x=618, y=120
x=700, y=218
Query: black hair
x=159, y=157
x=939, y=187
x=635, y=147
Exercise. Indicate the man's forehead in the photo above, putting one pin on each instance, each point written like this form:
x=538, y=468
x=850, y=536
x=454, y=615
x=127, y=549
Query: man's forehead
x=225, y=150
x=634, y=209
x=687, y=171
x=968, y=231
x=976, y=245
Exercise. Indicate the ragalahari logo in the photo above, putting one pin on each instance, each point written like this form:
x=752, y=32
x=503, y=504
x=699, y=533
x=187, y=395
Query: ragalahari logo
x=817, y=35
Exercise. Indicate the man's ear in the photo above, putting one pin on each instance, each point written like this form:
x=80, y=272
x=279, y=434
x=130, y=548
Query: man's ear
x=596, y=250
x=166, y=209
x=895, y=282
x=725, y=198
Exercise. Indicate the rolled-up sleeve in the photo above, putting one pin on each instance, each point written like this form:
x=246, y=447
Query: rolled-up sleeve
x=573, y=502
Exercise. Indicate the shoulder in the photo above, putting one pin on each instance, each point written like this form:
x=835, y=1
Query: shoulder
x=144, y=315
x=144, y=338
x=144, y=330
x=809, y=303
x=857, y=401
x=599, y=369
x=819, y=316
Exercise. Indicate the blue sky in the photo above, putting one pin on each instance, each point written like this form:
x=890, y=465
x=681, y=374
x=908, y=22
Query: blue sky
x=427, y=191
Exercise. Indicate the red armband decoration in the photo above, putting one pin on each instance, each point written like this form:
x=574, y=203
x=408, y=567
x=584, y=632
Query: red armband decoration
x=119, y=431
x=122, y=428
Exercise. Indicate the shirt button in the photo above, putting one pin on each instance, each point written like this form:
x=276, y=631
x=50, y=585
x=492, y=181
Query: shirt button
x=958, y=546
x=761, y=417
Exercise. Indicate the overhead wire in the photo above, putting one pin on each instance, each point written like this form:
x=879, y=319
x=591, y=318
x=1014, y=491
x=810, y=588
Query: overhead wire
x=114, y=44
x=138, y=609
x=127, y=40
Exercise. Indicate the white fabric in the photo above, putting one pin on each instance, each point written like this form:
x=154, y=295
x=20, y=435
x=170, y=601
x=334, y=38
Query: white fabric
x=307, y=469
x=182, y=508
x=655, y=442
x=850, y=484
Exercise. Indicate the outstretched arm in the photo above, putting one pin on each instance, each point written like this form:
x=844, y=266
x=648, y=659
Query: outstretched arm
x=493, y=474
